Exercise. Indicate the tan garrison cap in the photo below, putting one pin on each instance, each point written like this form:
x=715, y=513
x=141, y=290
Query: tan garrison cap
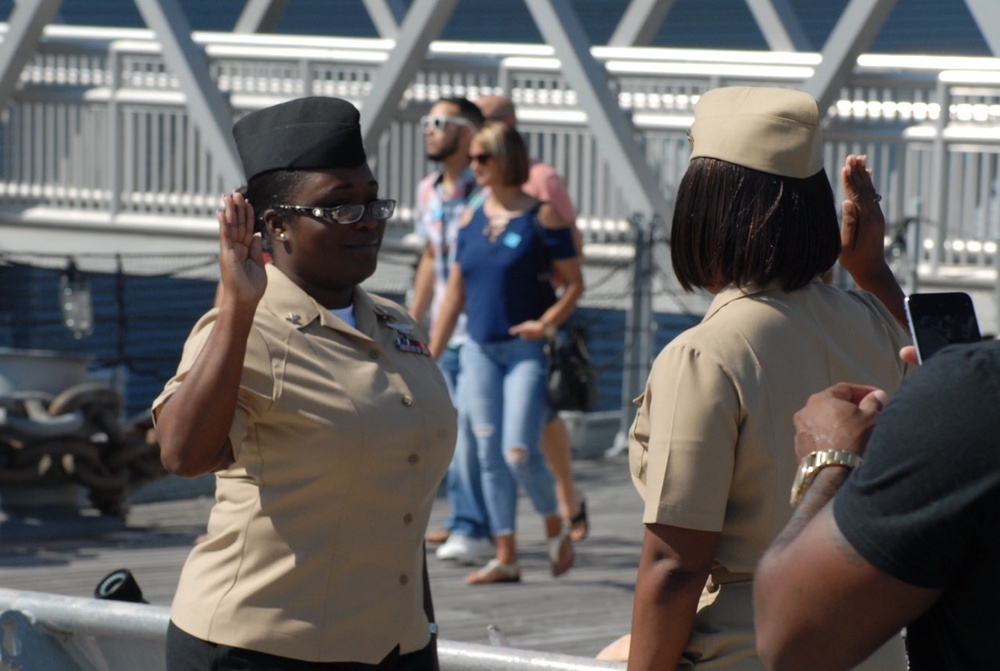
x=773, y=130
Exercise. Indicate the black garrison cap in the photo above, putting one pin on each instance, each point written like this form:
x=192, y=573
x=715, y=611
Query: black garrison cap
x=302, y=134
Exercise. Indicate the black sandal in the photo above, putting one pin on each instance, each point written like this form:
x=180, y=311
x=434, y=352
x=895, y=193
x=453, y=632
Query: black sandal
x=579, y=526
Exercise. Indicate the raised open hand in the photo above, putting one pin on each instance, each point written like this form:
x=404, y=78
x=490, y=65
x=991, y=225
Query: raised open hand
x=862, y=238
x=241, y=253
x=862, y=231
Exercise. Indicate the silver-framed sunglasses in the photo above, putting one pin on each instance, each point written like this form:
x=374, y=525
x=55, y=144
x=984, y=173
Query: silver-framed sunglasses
x=441, y=122
x=380, y=209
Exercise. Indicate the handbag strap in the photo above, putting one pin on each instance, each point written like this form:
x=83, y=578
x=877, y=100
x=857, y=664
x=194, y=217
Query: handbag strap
x=543, y=262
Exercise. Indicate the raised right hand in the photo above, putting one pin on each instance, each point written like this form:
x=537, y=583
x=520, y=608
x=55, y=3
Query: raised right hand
x=241, y=252
x=862, y=233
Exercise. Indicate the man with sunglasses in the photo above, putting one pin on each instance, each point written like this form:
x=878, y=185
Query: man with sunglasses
x=443, y=197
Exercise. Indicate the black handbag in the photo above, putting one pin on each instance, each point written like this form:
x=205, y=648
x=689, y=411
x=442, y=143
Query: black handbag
x=571, y=382
x=572, y=378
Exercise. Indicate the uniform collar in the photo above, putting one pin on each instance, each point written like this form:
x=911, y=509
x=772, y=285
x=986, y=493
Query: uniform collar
x=287, y=301
x=733, y=293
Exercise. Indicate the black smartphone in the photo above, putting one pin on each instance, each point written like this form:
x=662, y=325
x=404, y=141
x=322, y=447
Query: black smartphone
x=941, y=319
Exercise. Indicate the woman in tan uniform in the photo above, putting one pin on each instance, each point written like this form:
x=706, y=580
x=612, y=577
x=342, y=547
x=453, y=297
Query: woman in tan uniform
x=711, y=448
x=318, y=407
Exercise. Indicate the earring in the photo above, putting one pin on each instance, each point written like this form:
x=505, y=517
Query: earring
x=280, y=235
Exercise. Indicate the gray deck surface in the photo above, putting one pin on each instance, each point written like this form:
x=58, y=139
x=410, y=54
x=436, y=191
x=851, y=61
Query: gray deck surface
x=577, y=614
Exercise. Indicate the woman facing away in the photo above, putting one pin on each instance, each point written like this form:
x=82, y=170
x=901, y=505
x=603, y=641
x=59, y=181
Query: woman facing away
x=505, y=254
x=711, y=447
x=316, y=405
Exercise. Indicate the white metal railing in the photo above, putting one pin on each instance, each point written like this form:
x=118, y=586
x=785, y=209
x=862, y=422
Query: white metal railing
x=64, y=633
x=100, y=127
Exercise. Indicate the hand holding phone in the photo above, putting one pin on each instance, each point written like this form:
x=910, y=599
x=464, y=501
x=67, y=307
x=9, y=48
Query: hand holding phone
x=941, y=319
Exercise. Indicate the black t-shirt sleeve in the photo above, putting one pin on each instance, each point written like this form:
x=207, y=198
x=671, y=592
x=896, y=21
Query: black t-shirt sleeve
x=929, y=486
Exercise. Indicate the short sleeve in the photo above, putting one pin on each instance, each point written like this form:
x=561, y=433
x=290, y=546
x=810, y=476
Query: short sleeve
x=559, y=242
x=929, y=488
x=256, y=384
x=421, y=215
x=683, y=441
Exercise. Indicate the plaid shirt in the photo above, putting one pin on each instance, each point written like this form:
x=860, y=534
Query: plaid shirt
x=437, y=221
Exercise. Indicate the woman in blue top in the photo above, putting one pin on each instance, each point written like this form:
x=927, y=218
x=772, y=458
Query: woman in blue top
x=498, y=279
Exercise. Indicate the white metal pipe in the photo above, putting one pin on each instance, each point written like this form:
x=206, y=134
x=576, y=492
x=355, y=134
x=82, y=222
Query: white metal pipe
x=125, y=624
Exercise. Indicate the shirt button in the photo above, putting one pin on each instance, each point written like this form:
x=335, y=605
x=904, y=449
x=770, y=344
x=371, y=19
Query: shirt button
x=373, y=354
x=404, y=580
x=407, y=401
x=407, y=518
x=413, y=459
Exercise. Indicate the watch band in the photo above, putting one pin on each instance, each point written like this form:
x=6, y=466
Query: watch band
x=814, y=462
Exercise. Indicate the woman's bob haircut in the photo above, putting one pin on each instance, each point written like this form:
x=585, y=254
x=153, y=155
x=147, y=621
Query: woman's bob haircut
x=507, y=151
x=736, y=226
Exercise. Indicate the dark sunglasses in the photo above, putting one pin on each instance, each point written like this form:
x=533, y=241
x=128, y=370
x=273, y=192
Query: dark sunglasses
x=480, y=158
x=345, y=214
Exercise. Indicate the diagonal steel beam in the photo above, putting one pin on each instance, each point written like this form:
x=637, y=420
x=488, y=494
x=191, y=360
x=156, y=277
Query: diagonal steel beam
x=209, y=111
x=855, y=31
x=260, y=16
x=779, y=25
x=387, y=15
x=987, y=16
x=422, y=25
x=25, y=24
x=640, y=23
x=560, y=27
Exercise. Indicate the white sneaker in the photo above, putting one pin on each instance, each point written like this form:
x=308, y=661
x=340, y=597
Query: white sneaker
x=465, y=550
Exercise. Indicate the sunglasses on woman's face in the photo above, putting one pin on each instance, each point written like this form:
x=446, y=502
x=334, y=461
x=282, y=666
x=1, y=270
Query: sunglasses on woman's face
x=482, y=159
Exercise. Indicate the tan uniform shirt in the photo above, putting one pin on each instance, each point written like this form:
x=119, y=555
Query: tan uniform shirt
x=712, y=444
x=341, y=440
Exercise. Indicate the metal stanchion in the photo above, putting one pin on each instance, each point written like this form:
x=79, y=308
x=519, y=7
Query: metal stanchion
x=638, y=335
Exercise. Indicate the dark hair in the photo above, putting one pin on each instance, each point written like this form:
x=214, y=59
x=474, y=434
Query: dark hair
x=467, y=110
x=507, y=148
x=268, y=189
x=739, y=226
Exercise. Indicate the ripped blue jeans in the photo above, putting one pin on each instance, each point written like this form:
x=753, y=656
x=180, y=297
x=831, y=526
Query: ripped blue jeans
x=464, y=482
x=504, y=393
